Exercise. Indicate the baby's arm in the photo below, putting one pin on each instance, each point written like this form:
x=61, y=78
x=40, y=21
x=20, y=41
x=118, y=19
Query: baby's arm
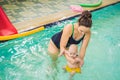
x=69, y=59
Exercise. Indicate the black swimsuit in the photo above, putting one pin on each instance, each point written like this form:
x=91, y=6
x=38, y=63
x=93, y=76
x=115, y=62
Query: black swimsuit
x=56, y=39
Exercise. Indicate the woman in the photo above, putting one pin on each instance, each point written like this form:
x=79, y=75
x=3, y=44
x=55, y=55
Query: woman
x=72, y=34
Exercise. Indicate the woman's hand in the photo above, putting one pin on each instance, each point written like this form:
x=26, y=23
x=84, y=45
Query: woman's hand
x=61, y=53
x=64, y=52
x=80, y=61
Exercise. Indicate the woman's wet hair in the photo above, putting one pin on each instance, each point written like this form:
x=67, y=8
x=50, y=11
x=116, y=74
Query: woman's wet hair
x=85, y=19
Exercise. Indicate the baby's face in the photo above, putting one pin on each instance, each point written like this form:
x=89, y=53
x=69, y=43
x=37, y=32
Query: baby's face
x=73, y=50
x=73, y=54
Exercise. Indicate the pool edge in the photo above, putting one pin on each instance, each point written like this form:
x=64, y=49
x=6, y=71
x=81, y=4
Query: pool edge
x=50, y=19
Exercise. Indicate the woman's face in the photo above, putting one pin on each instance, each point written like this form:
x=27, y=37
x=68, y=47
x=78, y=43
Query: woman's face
x=83, y=29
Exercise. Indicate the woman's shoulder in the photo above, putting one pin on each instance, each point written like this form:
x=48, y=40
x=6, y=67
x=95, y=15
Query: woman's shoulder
x=68, y=25
x=88, y=34
x=68, y=28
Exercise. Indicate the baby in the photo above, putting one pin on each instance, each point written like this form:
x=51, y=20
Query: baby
x=72, y=66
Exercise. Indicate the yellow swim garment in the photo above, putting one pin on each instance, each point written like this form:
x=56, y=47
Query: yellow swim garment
x=68, y=69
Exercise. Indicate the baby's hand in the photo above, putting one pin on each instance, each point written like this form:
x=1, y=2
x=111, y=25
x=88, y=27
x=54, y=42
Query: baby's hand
x=77, y=59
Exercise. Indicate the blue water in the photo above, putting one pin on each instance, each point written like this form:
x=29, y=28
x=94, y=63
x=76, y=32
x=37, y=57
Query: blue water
x=27, y=59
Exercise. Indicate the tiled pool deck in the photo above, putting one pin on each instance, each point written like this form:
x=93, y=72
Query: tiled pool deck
x=26, y=14
x=21, y=10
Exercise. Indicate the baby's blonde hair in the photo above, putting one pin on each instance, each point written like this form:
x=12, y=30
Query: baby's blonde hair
x=73, y=48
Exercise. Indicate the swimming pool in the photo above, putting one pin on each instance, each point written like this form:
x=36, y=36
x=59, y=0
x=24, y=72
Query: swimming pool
x=26, y=58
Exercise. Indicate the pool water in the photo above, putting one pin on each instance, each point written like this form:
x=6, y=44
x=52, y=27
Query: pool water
x=27, y=59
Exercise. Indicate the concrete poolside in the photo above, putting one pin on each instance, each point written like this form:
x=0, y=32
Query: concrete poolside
x=53, y=16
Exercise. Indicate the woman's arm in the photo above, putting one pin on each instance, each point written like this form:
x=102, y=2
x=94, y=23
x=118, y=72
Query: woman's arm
x=67, y=32
x=84, y=45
